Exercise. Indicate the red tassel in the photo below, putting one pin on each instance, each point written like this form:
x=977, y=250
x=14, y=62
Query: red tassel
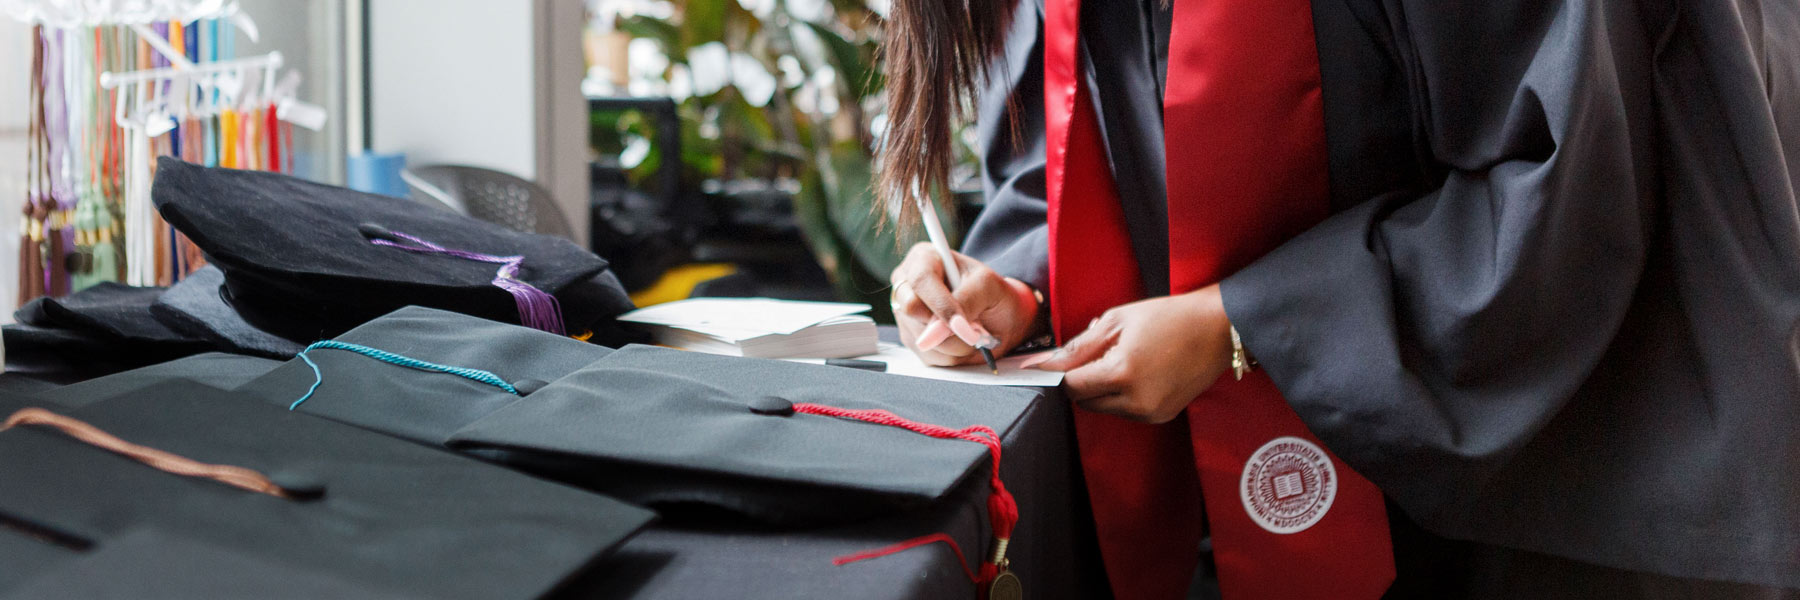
x=1003, y=509
x=961, y=560
x=274, y=135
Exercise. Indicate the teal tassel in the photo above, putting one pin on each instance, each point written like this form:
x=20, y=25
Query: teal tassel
x=391, y=358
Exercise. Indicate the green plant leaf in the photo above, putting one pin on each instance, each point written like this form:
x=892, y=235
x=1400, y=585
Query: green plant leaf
x=835, y=212
x=834, y=205
x=854, y=63
x=704, y=21
x=666, y=35
x=850, y=278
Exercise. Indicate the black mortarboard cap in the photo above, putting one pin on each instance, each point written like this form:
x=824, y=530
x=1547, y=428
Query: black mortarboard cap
x=185, y=568
x=123, y=312
x=419, y=405
x=62, y=355
x=674, y=428
x=196, y=306
x=306, y=261
x=377, y=513
x=96, y=331
x=216, y=370
x=11, y=400
x=590, y=307
x=16, y=383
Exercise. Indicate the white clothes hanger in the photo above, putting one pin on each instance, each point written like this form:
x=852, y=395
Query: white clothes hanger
x=89, y=13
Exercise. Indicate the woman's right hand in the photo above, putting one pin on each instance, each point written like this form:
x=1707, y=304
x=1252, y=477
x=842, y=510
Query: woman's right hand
x=942, y=327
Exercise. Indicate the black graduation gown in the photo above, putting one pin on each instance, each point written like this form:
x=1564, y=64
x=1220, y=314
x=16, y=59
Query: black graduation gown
x=1557, y=307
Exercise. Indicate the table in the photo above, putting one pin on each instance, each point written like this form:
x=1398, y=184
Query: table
x=1053, y=549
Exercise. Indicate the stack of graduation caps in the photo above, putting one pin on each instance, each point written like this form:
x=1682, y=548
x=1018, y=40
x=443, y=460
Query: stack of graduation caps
x=100, y=330
x=300, y=261
x=294, y=262
x=359, y=514
x=678, y=430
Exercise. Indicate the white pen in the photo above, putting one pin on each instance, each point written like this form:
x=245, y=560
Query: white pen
x=935, y=230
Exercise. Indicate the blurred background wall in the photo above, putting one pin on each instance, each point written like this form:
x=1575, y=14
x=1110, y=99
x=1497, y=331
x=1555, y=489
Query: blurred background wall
x=718, y=147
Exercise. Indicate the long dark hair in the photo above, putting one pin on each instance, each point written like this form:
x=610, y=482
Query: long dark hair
x=935, y=55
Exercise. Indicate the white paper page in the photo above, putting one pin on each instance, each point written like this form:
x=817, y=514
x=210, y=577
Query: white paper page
x=741, y=318
x=901, y=361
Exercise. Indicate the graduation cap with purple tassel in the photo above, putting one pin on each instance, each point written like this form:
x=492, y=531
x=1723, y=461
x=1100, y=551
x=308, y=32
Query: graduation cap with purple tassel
x=306, y=261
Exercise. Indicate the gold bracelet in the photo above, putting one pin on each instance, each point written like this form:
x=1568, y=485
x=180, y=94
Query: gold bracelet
x=1240, y=360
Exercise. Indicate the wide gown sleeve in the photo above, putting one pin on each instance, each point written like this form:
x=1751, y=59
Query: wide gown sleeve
x=1012, y=234
x=1427, y=334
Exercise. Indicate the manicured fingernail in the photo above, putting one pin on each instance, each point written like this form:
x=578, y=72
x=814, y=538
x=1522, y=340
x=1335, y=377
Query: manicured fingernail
x=969, y=333
x=934, y=334
x=1039, y=359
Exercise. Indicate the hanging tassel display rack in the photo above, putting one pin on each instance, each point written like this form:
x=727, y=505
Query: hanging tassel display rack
x=116, y=83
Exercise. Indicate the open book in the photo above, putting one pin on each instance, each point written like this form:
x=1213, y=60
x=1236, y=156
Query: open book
x=760, y=327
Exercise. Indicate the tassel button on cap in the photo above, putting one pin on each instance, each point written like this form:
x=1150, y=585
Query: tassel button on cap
x=772, y=405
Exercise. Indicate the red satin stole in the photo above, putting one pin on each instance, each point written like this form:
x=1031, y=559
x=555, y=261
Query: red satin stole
x=1247, y=170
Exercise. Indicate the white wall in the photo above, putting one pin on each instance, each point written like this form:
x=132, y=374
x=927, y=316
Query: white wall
x=15, y=94
x=563, y=144
x=452, y=82
x=488, y=83
x=309, y=34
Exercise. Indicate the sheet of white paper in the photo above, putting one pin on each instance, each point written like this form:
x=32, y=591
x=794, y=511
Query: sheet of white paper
x=742, y=318
x=901, y=361
x=741, y=334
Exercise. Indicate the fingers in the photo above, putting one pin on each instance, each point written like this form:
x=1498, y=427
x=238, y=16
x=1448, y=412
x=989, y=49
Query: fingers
x=1092, y=372
x=1034, y=361
x=922, y=303
x=1109, y=386
x=997, y=312
x=934, y=335
x=1100, y=335
x=1128, y=408
x=1087, y=383
x=932, y=339
x=948, y=351
x=971, y=333
x=907, y=306
x=1108, y=404
x=982, y=296
x=938, y=358
x=949, y=322
x=933, y=342
x=920, y=257
x=921, y=277
x=968, y=265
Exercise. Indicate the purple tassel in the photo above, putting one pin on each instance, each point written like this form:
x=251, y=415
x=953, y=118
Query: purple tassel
x=537, y=308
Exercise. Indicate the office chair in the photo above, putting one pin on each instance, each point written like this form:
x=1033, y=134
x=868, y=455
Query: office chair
x=491, y=196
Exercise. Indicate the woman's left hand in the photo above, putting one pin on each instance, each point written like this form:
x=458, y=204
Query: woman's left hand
x=1146, y=360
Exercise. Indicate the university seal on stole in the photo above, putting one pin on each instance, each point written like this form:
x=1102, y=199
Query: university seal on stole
x=1288, y=485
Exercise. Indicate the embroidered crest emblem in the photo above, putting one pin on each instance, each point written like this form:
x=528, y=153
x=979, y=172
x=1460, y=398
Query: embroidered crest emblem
x=1288, y=485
